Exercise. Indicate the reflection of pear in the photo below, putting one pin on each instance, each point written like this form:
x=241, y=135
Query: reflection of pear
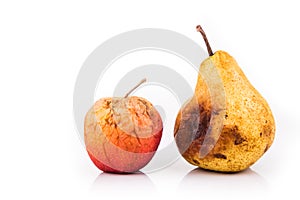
x=227, y=183
x=227, y=125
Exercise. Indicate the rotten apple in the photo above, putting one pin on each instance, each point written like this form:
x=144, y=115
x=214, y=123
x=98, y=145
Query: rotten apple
x=122, y=134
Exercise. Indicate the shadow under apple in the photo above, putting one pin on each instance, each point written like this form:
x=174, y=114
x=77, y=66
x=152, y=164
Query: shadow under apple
x=131, y=183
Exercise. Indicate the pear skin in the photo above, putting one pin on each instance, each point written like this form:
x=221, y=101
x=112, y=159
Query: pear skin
x=227, y=125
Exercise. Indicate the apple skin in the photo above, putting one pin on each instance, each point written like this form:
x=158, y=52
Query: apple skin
x=122, y=134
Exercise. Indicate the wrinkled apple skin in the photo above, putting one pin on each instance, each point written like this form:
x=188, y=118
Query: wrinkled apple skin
x=122, y=134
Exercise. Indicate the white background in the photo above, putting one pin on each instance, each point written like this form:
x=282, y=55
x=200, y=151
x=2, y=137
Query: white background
x=42, y=47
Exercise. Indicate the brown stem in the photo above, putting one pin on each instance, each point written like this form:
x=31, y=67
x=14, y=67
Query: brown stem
x=199, y=29
x=140, y=83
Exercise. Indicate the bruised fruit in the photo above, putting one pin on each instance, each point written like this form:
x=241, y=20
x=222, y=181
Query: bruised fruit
x=121, y=134
x=227, y=125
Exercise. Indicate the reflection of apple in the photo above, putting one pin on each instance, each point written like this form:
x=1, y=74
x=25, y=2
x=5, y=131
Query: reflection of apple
x=121, y=134
x=135, y=183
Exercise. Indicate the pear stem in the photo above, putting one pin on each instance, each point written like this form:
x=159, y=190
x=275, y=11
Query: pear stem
x=199, y=29
x=138, y=85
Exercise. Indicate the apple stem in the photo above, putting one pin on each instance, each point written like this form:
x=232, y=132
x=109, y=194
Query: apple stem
x=138, y=85
x=199, y=29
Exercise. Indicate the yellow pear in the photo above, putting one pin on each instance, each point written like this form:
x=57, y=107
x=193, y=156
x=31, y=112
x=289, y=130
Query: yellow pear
x=227, y=125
